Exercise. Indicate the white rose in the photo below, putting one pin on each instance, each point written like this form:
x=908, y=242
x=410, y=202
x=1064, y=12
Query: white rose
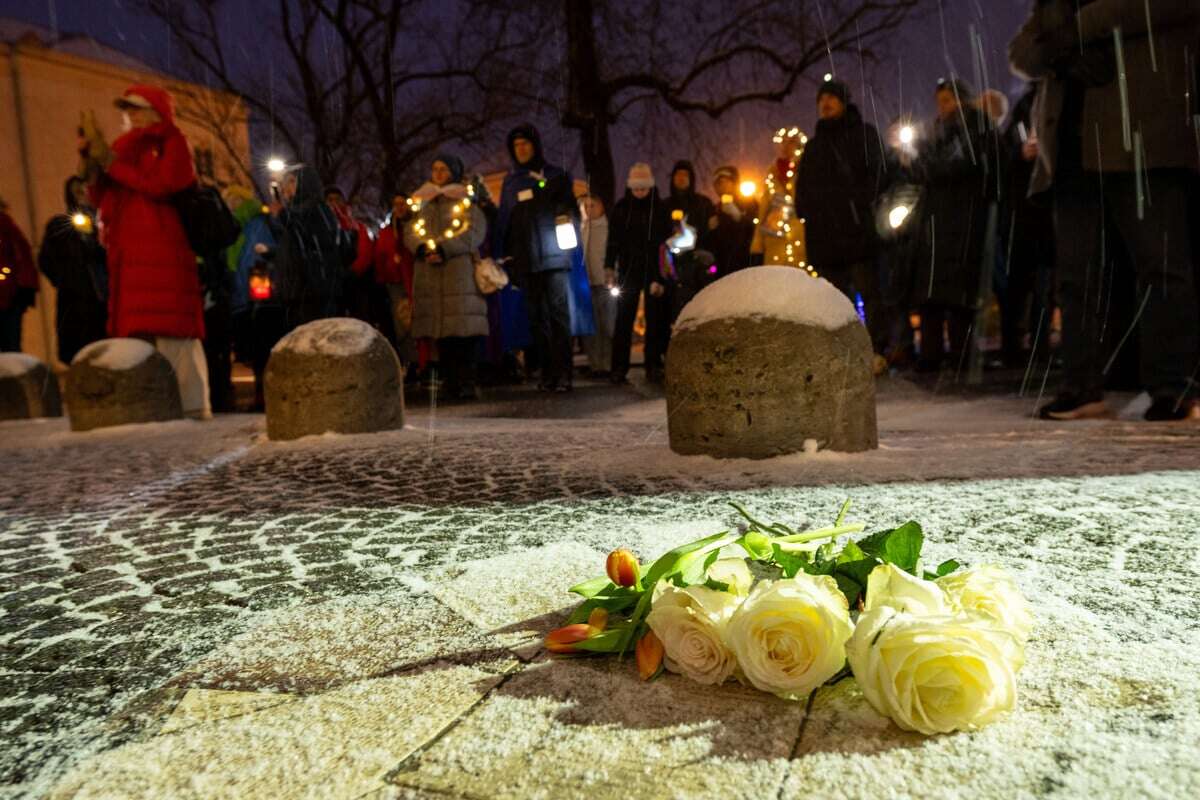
x=989, y=589
x=888, y=586
x=790, y=635
x=934, y=674
x=690, y=623
x=734, y=572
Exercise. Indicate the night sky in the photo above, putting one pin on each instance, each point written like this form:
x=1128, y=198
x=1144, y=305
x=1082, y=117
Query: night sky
x=901, y=84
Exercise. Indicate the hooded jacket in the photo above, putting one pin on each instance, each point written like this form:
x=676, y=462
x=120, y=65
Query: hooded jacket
x=637, y=227
x=533, y=197
x=695, y=206
x=154, y=285
x=314, y=253
x=256, y=229
x=838, y=180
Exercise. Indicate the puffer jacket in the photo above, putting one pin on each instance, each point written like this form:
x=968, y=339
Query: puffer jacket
x=446, y=301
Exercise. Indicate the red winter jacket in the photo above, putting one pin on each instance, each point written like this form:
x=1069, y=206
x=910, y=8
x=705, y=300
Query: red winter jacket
x=16, y=262
x=364, y=247
x=393, y=261
x=154, y=285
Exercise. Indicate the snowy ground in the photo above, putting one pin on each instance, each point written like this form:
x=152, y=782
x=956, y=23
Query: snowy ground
x=190, y=610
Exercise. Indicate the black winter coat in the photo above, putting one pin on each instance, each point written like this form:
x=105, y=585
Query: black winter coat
x=697, y=208
x=730, y=241
x=838, y=181
x=957, y=171
x=314, y=254
x=74, y=262
x=636, y=229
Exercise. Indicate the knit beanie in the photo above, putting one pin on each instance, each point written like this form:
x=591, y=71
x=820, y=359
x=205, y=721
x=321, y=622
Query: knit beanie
x=640, y=176
x=836, y=88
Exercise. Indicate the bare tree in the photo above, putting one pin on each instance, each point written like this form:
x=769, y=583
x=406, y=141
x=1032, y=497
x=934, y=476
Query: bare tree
x=704, y=57
x=362, y=89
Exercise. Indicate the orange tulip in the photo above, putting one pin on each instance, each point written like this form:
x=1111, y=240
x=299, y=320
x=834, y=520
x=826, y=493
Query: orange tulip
x=649, y=652
x=598, y=620
x=563, y=640
x=622, y=567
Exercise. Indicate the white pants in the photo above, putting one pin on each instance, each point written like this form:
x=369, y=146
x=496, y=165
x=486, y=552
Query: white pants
x=191, y=370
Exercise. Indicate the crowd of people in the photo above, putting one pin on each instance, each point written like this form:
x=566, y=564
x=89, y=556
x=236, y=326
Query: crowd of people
x=1075, y=201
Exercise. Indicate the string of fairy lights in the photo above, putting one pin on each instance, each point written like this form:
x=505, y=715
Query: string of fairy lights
x=460, y=221
x=779, y=216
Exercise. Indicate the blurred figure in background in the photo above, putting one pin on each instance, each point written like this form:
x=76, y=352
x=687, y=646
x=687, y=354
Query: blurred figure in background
x=604, y=306
x=957, y=170
x=72, y=259
x=731, y=228
x=154, y=284
x=257, y=317
x=18, y=280
x=394, y=271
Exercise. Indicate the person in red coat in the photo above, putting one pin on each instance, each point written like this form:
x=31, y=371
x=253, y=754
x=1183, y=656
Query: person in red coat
x=154, y=285
x=18, y=280
x=394, y=270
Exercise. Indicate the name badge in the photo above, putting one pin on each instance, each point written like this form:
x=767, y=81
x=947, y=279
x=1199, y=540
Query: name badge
x=524, y=194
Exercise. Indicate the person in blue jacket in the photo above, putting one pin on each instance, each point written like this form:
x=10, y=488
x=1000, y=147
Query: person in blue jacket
x=535, y=199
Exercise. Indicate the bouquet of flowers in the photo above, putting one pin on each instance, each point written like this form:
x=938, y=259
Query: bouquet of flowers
x=787, y=611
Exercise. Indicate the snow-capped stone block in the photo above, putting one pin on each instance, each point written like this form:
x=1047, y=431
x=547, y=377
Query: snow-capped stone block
x=333, y=375
x=764, y=360
x=121, y=382
x=28, y=388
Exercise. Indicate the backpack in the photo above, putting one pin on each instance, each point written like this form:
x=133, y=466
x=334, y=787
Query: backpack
x=208, y=223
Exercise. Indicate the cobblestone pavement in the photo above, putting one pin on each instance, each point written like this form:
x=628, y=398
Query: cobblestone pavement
x=128, y=555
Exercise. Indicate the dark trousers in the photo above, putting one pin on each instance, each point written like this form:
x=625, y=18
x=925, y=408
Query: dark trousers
x=862, y=278
x=550, y=319
x=10, y=330
x=958, y=321
x=218, y=352
x=457, y=360
x=1159, y=248
x=658, y=326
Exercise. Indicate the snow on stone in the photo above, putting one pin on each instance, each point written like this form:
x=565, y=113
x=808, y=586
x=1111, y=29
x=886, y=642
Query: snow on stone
x=115, y=354
x=15, y=364
x=784, y=293
x=330, y=337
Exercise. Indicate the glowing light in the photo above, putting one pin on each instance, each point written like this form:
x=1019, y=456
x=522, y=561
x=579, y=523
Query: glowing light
x=276, y=164
x=564, y=232
x=712, y=270
x=615, y=291
x=828, y=77
x=907, y=134
x=684, y=240
x=748, y=188
x=726, y=199
x=677, y=214
x=79, y=220
x=897, y=216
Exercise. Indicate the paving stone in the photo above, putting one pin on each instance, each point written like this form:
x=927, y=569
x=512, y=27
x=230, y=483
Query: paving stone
x=341, y=743
x=591, y=728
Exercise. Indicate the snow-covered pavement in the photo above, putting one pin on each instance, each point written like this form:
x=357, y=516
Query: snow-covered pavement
x=191, y=610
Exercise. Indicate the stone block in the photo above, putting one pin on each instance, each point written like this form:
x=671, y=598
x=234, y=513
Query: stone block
x=28, y=389
x=333, y=375
x=763, y=385
x=121, y=382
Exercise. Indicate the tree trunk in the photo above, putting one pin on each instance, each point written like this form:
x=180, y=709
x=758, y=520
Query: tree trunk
x=587, y=100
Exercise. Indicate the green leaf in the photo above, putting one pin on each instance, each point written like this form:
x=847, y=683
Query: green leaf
x=900, y=546
x=670, y=562
x=620, y=600
x=757, y=545
x=946, y=567
x=716, y=586
x=592, y=587
x=790, y=563
x=607, y=641
x=850, y=587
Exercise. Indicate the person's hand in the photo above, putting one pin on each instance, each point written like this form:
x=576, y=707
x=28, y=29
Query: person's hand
x=713, y=222
x=1030, y=150
x=610, y=278
x=657, y=289
x=433, y=257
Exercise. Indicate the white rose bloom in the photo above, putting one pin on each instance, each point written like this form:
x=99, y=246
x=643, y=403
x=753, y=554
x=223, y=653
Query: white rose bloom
x=989, y=589
x=790, y=635
x=734, y=572
x=690, y=623
x=888, y=586
x=934, y=674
